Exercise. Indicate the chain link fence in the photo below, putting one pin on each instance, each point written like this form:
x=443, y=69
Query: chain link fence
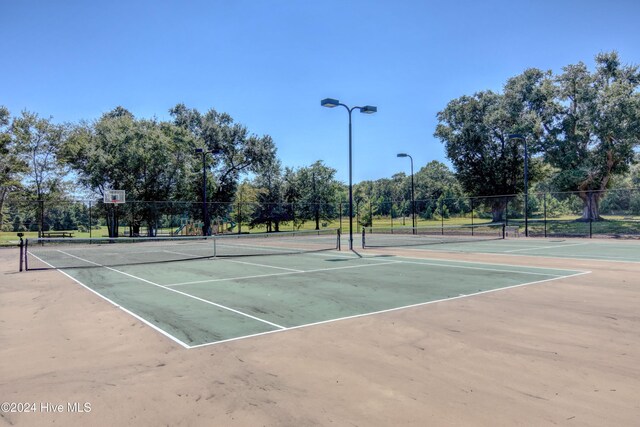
x=613, y=213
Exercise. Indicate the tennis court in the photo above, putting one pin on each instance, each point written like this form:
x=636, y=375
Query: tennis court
x=613, y=250
x=216, y=296
x=237, y=328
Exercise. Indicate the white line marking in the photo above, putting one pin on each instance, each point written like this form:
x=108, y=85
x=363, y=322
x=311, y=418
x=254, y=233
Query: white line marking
x=143, y=320
x=435, y=264
x=600, y=258
x=488, y=263
x=257, y=276
x=546, y=247
x=260, y=265
x=182, y=293
x=393, y=309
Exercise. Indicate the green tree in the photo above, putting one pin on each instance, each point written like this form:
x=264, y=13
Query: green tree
x=271, y=209
x=148, y=159
x=12, y=164
x=245, y=204
x=234, y=150
x=39, y=141
x=592, y=130
x=318, y=191
x=476, y=132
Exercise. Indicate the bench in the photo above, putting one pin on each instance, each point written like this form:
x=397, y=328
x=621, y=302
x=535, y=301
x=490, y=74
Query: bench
x=512, y=231
x=54, y=234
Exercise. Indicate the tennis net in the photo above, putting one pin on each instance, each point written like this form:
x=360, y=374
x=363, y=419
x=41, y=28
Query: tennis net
x=108, y=252
x=375, y=237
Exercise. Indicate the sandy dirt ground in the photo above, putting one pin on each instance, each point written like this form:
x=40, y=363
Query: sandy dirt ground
x=565, y=352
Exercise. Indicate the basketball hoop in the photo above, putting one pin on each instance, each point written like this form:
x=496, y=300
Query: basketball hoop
x=114, y=197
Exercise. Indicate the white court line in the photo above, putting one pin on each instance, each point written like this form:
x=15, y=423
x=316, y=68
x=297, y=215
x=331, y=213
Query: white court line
x=600, y=258
x=143, y=320
x=390, y=310
x=546, y=247
x=489, y=263
x=498, y=270
x=257, y=276
x=180, y=292
x=261, y=265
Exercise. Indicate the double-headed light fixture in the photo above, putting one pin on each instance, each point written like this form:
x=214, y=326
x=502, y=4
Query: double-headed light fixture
x=367, y=109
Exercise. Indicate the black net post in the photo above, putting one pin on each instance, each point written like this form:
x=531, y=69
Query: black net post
x=26, y=256
x=21, y=250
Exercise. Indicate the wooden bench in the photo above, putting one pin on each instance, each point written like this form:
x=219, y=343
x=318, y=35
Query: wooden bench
x=54, y=234
x=512, y=231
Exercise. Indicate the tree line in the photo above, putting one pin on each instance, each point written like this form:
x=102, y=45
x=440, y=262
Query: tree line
x=155, y=160
x=581, y=128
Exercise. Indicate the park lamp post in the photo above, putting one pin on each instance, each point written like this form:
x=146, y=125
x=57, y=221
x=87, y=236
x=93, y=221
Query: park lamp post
x=413, y=200
x=367, y=109
x=514, y=137
x=206, y=226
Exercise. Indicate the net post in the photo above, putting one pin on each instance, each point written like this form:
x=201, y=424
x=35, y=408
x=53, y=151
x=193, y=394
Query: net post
x=338, y=246
x=21, y=250
x=26, y=256
x=504, y=230
x=363, y=238
x=215, y=253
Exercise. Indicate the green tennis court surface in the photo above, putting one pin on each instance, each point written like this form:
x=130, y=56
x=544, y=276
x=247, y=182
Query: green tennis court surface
x=205, y=301
x=603, y=250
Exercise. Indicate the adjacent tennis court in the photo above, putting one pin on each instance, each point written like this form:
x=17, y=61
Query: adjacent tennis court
x=612, y=250
x=301, y=282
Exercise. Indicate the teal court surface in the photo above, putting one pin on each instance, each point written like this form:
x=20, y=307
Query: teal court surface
x=211, y=300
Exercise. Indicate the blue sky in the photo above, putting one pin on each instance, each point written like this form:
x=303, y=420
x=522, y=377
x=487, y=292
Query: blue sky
x=269, y=63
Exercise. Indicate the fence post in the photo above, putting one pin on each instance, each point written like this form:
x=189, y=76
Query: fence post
x=442, y=217
x=90, y=220
x=590, y=206
x=41, y=217
x=471, y=200
x=506, y=211
x=545, y=214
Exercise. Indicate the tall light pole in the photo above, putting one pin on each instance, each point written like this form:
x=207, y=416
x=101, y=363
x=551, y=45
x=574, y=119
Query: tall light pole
x=413, y=200
x=517, y=136
x=206, y=226
x=367, y=109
